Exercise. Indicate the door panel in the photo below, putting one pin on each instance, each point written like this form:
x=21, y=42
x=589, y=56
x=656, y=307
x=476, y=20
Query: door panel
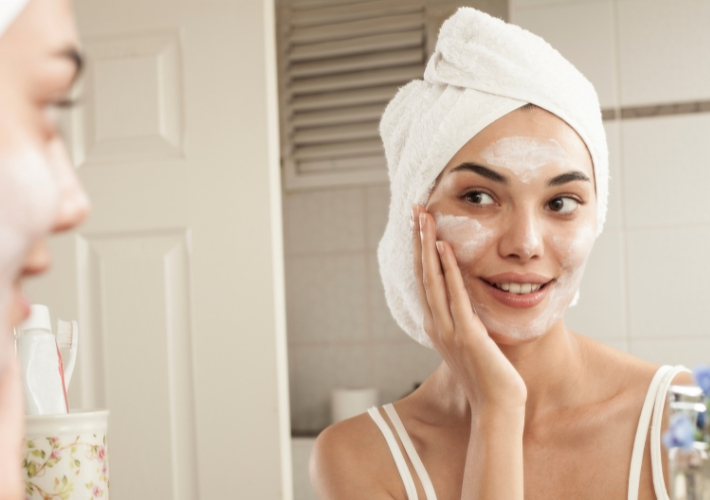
x=177, y=277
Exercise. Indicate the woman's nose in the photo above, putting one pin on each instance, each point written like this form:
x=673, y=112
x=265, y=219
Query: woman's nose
x=74, y=203
x=522, y=240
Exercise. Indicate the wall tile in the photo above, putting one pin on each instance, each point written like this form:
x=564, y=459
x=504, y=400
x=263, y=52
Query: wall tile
x=667, y=277
x=397, y=366
x=663, y=51
x=666, y=170
x=688, y=352
x=600, y=311
x=613, y=216
x=584, y=34
x=318, y=370
x=384, y=326
x=324, y=221
x=326, y=297
x=377, y=203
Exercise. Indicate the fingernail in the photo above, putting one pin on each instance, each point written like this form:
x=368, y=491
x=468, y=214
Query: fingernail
x=440, y=247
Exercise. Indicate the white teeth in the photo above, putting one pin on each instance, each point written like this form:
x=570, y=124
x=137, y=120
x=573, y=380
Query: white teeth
x=519, y=288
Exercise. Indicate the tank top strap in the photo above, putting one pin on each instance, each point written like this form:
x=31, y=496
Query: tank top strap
x=399, y=460
x=411, y=452
x=652, y=407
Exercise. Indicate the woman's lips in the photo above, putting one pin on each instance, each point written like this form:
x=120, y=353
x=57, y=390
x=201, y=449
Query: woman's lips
x=518, y=301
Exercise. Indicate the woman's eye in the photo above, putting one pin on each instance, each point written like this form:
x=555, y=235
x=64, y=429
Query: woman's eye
x=479, y=198
x=563, y=205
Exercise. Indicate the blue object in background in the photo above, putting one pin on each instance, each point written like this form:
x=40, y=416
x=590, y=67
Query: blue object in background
x=701, y=373
x=680, y=433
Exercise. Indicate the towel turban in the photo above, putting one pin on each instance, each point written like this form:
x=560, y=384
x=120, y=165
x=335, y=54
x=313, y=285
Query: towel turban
x=481, y=70
x=9, y=10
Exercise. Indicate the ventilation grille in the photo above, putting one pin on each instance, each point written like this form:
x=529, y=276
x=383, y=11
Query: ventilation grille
x=340, y=65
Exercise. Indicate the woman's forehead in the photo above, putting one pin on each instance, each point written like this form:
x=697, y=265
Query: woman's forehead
x=532, y=128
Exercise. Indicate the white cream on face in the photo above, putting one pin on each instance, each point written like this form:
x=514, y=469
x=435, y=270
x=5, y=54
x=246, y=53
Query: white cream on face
x=29, y=197
x=572, y=254
x=524, y=156
x=466, y=236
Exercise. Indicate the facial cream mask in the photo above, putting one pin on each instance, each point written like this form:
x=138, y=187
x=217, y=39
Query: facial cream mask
x=465, y=235
x=572, y=254
x=524, y=155
x=469, y=239
x=28, y=204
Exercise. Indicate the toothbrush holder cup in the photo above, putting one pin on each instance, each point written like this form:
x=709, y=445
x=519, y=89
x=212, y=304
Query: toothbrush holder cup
x=66, y=456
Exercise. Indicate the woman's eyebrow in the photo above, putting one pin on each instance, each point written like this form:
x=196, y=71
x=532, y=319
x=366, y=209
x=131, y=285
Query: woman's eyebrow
x=567, y=177
x=482, y=171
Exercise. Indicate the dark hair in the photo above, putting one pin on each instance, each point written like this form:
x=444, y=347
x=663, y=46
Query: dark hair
x=529, y=107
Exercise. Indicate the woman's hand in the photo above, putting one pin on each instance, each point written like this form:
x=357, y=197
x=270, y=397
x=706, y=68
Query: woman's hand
x=489, y=380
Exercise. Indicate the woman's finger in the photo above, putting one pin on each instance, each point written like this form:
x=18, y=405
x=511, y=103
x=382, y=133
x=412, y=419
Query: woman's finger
x=417, y=246
x=433, y=277
x=462, y=313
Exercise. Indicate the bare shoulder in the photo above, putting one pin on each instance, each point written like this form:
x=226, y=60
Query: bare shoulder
x=350, y=459
x=636, y=369
x=627, y=372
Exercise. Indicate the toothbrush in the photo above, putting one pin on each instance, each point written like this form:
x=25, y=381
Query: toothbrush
x=68, y=338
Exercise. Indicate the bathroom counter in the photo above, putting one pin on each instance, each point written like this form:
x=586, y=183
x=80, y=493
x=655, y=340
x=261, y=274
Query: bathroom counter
x=301, y=447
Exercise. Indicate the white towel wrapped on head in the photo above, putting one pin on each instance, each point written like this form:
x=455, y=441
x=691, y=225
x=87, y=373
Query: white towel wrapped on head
x=481, y=70
x=9, y=10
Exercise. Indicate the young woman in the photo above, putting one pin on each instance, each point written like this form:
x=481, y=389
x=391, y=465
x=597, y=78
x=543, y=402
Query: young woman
x=521, y=407
x=39, y=190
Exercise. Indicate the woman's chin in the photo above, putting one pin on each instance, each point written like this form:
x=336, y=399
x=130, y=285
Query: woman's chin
x=19, y=307
x=514, y=335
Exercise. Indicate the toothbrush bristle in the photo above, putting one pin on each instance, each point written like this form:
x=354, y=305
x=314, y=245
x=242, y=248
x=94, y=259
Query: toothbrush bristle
x=64, y=334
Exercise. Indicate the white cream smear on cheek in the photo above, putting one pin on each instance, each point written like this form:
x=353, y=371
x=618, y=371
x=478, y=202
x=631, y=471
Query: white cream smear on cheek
x=465, y=235
x=524, y=155
x=572, y=254
x=29, y=197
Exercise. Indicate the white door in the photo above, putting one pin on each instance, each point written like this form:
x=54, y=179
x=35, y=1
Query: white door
x=177, y=278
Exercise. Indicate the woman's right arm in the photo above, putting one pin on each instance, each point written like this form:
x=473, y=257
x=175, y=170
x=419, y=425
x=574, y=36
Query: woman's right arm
x=495, y=390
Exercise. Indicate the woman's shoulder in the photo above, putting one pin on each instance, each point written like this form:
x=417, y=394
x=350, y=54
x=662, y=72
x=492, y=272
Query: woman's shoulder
x=630, y=372
x=350, y=460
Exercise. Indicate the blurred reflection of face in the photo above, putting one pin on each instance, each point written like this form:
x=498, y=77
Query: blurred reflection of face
x=517, y=203
x=39, y=190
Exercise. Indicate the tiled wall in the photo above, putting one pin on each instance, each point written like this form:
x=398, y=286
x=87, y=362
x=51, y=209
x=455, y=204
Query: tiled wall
x=340, y=330
x=645, y=287
x=644, y=290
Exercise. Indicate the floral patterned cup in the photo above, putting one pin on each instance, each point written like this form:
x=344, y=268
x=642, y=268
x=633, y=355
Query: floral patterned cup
x=65, y=457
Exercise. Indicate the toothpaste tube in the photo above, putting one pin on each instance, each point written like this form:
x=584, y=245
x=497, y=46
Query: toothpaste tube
x=41, y=365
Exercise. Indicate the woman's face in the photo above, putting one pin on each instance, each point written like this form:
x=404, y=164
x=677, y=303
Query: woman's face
x=517, y=204
x=39, y=190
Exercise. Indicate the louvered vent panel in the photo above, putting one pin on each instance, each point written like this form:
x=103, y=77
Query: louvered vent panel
x=341, y=62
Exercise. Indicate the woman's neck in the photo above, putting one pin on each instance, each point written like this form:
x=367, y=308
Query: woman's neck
x=553, y=368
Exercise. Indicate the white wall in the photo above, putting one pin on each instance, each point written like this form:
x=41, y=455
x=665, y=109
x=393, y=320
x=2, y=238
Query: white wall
x=644, y=288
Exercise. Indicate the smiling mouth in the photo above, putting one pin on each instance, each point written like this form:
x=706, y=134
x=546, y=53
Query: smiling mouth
x=519, y=288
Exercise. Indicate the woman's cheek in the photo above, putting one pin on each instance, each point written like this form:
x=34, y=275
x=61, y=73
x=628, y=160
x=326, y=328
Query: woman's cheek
x=467, y=237
x=574, y=249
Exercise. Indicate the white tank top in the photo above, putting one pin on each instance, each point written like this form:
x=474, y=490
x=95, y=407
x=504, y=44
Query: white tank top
x=651, y=413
